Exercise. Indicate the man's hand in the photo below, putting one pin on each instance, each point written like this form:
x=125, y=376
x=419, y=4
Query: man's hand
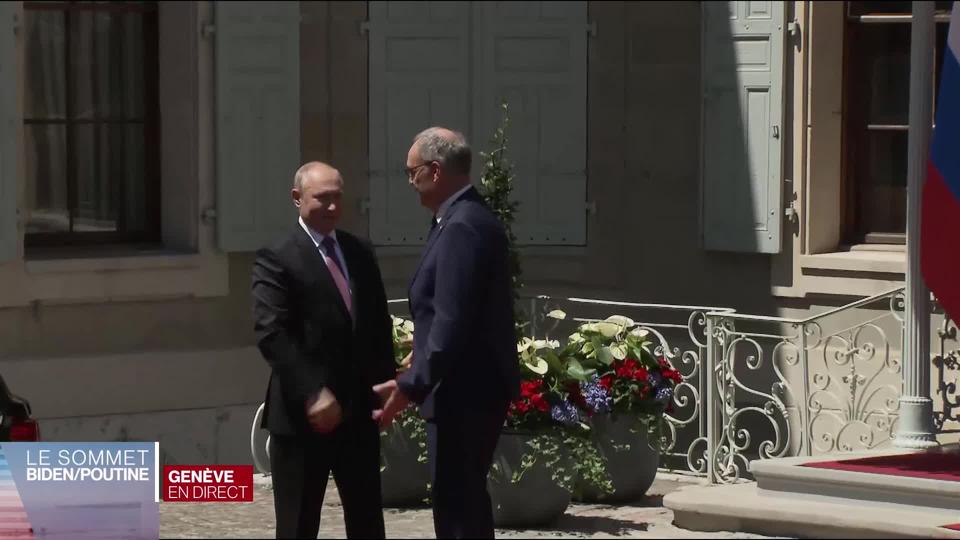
x=393, y=402
x=323, y=412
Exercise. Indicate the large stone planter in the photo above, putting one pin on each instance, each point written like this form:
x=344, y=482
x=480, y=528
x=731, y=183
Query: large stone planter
x=632, y=470
x=536, y=500
x=404, y=480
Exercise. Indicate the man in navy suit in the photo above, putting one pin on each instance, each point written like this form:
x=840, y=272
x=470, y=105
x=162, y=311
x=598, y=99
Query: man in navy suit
x=464, y=370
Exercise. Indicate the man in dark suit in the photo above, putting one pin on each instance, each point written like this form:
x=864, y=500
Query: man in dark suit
x=464, y=369
x=322, y=323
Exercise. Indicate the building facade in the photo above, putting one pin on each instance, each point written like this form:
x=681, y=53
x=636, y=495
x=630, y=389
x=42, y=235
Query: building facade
x=745, y=154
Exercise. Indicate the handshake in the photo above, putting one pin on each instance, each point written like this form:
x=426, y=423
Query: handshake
x=324, y=412
x=391, y=397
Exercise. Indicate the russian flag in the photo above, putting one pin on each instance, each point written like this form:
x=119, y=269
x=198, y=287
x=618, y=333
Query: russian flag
x=940, y=216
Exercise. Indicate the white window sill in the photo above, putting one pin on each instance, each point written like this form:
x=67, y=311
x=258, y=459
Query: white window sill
x=53, y=263
x=98, y=277
x=859, y=259
x=863, y=270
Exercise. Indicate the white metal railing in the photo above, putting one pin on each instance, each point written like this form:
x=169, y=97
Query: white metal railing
x=785, y=386
x=757, y=387
x=946, y=362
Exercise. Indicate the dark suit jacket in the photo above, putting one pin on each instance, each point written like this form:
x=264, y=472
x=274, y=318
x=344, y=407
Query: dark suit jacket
x=465, y=351
x=306, y=334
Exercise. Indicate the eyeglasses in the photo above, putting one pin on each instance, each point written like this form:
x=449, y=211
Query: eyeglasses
x=413, y=170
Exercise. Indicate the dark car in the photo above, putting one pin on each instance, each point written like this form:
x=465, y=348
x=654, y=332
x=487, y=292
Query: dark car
x=16, y=422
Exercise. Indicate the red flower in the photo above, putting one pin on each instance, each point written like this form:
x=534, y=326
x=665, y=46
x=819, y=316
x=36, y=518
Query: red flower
x=539, y=402
x=673, y=375
x=576, y=396
x=529, y=388
x=640, y=374
x=606, y=382
x=519, y=406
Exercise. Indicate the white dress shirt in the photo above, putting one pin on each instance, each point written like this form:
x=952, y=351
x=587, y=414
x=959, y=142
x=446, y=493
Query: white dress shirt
x=318, y=241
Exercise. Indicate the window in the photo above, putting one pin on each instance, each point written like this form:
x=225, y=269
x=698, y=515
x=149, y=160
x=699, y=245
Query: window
x=91, y=129
x=876, y=103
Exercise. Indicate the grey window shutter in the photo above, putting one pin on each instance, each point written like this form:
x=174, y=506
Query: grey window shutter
x=257, y=52
x=419, y=77
x=9, y=134
x=743, y=58
x=534, y=55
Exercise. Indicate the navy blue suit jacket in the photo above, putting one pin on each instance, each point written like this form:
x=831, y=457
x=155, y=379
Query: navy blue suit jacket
x=465, y=351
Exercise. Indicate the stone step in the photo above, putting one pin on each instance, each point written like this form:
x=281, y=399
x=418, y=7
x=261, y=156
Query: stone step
x=749, y=508
x=789, y=476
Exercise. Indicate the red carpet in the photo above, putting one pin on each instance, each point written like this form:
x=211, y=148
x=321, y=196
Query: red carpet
x=932, y=465
x=954, y=527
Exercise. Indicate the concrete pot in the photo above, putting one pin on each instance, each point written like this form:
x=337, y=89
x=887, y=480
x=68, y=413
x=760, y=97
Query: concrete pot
x=404, y=480
x=536, y=500
x=632, y=470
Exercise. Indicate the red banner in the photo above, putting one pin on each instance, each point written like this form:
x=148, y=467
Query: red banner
x=208, y=483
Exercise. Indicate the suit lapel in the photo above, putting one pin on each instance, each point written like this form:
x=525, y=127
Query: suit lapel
x=470, y=194
x=315, y=264
x=350, y=258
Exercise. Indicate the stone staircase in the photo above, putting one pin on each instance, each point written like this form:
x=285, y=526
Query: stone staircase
x=792, y=500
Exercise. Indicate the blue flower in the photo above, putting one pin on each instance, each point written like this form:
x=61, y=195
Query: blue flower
x=596, y=396
x=664, y=394
x=565, y=412
x=655, y=379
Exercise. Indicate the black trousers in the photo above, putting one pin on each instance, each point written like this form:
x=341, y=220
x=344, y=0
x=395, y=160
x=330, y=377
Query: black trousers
x=301, y=465
x=461, y=450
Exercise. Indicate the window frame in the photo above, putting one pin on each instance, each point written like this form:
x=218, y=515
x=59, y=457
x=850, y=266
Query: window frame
x=855, y=129
x=151, y=235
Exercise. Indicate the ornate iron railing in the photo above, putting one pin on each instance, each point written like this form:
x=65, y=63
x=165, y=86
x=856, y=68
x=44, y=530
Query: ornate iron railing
x=826, y=383
x=758, y=387
x=946, y=361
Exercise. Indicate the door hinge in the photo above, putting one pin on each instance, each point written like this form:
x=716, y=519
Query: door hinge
x=364, y=204
x=793, y=28
x=209, y=215
x=364, y=28
x=592, y=28
x=591, y=207
x=16, y=24
x=791, y=210
x=207, y=30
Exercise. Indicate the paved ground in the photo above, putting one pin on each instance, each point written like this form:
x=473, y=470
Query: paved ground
x=645, y=519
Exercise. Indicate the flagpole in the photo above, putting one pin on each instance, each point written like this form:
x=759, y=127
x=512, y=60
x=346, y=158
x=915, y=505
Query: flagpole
x=915, y=429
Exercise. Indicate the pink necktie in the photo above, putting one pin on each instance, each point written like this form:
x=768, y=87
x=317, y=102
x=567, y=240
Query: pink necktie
x=338, y=277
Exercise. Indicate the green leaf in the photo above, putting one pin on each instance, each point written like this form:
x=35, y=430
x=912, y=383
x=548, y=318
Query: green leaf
x=609, y=330
x=620, y=320
x=640, y=333
x=557, y=314
x=537, y=365
x=605, y=355
x=575, y=370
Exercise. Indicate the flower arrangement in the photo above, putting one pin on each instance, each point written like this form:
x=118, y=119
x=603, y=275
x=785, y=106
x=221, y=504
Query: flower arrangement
x=548, y=411
x=618, y=372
